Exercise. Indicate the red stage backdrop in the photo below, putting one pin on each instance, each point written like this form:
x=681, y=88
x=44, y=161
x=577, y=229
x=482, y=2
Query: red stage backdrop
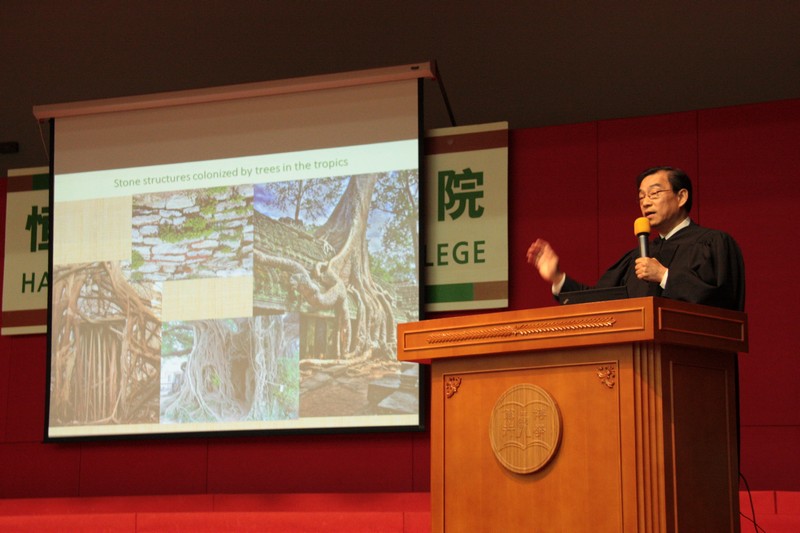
x=573, y=185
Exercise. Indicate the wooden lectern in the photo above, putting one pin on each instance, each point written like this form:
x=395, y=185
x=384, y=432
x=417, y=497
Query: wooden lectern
x=616, y=416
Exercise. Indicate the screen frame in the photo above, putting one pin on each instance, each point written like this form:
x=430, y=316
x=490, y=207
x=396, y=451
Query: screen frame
x=50, y=114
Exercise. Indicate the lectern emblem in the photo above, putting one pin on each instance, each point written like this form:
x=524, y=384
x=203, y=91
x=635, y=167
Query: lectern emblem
x=525, y=428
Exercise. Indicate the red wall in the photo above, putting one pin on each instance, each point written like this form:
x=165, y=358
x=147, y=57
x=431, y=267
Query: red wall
x=573, y=185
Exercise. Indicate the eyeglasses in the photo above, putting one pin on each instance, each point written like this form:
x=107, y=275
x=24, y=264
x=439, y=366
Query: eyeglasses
x=653, y=194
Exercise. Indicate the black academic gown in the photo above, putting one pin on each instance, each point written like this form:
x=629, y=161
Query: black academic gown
x=705, y=267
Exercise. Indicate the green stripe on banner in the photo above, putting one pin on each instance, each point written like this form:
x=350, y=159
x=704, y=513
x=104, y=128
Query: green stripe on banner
x=40, y=182
x=452, y=292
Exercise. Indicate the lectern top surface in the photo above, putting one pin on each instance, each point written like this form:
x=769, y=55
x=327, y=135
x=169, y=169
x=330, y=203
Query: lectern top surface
x=593, y=295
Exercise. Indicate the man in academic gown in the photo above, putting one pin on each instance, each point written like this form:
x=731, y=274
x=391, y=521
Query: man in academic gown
x=687, y=262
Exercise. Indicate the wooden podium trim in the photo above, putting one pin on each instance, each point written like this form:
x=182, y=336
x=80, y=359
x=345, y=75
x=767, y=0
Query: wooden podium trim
x=600, y=323
x=522, y=329
x=519, y=331
x=704, y=328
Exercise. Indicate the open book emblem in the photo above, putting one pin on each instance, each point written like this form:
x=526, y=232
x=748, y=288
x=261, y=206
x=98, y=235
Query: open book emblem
x=525, y=428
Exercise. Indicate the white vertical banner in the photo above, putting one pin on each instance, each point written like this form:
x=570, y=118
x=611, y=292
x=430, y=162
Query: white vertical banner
x=25, y=271
x=465, y=256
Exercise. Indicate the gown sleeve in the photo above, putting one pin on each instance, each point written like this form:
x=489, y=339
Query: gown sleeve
x=620, y=273
x=708, y=271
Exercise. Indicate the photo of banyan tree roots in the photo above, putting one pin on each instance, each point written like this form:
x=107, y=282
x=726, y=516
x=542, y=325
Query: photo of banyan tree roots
x=106, y=347
x=230, y=370
x=341, y=253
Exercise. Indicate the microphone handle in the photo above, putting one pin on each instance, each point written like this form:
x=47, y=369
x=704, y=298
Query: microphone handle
x=643, y=246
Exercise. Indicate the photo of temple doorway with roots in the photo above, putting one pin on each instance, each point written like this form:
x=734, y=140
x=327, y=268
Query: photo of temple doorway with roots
x=106, y=347
x=341, y=254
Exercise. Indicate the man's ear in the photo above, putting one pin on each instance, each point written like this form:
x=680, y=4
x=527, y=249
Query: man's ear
x=683, y=197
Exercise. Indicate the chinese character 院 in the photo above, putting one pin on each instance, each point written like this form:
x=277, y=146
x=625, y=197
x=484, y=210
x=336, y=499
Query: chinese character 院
x=458, y=192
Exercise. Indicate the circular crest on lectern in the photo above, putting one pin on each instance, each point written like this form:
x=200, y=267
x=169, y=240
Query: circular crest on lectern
x=525, y=428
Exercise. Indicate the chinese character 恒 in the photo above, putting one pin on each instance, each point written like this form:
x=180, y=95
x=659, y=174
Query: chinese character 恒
x=38, y=224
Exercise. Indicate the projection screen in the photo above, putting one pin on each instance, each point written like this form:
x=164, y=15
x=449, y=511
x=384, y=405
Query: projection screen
x=236, y=259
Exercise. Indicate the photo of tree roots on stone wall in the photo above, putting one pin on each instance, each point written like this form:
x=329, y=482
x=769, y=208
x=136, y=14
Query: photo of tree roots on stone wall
x=190, y=234
x=106, y=347
x=341, y=254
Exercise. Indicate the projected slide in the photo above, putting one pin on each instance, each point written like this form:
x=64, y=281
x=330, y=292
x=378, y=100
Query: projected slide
x=236, y=266
x=238, y=305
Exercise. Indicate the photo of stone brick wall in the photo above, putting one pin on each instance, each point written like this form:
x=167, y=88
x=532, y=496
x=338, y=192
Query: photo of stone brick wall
x=190, y=234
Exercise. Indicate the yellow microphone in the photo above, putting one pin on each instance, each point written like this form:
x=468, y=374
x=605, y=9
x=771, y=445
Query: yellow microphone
x=641, y=228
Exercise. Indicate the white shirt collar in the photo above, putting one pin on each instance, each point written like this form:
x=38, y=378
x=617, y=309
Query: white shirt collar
x=686, y=221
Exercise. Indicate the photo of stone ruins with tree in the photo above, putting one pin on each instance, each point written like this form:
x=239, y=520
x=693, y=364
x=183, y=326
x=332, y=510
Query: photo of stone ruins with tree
x=341, y=253
x=334, y=266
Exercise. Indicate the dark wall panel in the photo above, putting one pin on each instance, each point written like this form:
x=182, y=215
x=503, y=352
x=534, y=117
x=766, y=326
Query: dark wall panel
x=5, y=360
x=552, y=195
x=312, y=463
x=27, y=368
x=176, y=466
x=769, y=457
x=750, y=160
x=36, y=470
x=625, y=148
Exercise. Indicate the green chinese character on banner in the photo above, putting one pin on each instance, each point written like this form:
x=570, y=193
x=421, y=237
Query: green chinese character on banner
x=38, y=224
x=460, y=192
